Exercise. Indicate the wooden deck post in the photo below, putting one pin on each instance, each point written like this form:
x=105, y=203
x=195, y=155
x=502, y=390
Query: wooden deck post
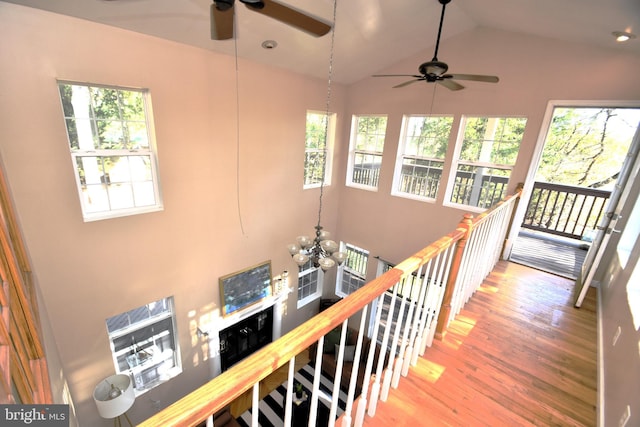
x=445, y=310
x=506, y=245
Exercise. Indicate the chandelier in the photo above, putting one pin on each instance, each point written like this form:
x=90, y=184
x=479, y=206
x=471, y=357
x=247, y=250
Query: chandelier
x=321, y=251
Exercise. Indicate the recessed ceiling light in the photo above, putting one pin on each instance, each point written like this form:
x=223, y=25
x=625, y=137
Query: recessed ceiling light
x=623, y=36
x=269, y=44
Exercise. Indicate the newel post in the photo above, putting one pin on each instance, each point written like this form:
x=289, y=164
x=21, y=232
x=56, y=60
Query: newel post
x=506, y=245
x=445, y=310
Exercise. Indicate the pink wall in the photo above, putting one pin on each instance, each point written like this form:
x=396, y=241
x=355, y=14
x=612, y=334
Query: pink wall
x=90, y=271
x=532, y=72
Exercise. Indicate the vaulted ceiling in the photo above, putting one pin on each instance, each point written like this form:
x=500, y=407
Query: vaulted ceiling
x=369, y=36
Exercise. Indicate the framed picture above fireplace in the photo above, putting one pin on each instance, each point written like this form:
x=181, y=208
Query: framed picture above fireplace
x=246, y=287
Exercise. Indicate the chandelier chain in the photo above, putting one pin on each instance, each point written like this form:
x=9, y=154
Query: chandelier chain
x=326, y=117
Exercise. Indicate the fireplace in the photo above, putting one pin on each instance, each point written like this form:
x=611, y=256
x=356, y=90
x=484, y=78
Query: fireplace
x=244, y=337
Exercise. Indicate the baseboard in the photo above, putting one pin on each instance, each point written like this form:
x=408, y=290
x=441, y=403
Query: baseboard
x=600, y=362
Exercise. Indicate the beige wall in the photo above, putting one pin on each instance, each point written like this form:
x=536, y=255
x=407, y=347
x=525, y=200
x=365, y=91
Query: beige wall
x=532, y=72
x=90, y=271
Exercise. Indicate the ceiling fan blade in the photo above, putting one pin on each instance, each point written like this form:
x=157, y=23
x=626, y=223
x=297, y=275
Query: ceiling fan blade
x=474, y=77
x=221, y=23
x=397, y=75
x=408, y=83
x=291, y=17
x=450, y=84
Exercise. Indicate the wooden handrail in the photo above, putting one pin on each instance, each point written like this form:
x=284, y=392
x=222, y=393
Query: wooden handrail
x=223, y=389
x=23, y=367
x=219, y=392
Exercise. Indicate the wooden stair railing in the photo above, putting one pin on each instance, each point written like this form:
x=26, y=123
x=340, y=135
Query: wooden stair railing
x=447, y=270
x=24, y=376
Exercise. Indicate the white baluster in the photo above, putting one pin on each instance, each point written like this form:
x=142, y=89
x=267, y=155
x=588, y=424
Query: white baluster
x=289, y=393
x=255, y=405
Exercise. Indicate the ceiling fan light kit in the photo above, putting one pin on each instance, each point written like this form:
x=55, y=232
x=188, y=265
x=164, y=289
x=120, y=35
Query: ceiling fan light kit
x=623, y=36
x=434, y=71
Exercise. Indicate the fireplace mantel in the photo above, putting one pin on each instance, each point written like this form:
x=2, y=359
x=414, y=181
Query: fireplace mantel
x=223, y=323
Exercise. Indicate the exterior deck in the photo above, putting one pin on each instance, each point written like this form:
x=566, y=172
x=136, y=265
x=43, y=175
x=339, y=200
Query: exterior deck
x=554, y=254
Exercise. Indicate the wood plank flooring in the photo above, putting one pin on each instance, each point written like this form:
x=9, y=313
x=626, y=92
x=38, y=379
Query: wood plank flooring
x=553, y=254
x=519, y=354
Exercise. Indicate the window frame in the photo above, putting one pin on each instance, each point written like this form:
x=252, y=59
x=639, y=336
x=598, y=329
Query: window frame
x=344, y=269
x=120, y=353
x=354, y=151
x=402, y=156
x=456, y=162
x=327, y=150
x=305, y=271
x=101, y=154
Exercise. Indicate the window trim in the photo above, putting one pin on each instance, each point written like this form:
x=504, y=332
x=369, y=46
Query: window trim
x=455, y=162
x=346, y=247
x=353, y=152
x=144, y=325
x=318, y=293
x=328, y=149
x=151, y=152
x=401, y=156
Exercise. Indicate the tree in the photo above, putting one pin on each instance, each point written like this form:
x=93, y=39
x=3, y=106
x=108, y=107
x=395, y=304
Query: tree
x=587, y=146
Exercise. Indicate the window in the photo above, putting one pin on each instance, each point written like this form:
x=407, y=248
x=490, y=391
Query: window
x=421, y=152
x=352, y=273
x=309, y=283
x=485, y=157
x=111, y=140
x=318, y=141
x=144, y=344
x=365, y=152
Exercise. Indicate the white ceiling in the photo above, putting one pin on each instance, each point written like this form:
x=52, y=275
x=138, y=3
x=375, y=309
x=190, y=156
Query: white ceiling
x=370, y=35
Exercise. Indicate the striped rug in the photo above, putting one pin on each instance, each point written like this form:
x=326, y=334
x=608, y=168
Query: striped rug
x=272, y=409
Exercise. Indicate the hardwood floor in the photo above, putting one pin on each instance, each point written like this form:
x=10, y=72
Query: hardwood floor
x=519, y=354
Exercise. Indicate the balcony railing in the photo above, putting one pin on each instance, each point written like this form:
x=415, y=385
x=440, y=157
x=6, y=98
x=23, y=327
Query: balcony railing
x=449, y=271
x=483, y=192
x=565, y=210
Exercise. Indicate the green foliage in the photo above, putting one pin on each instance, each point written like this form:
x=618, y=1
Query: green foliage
x=587, y=146
x=315, y=148
x=104, y=118
x=371, y=133
x=427, y=136
x=492, y=140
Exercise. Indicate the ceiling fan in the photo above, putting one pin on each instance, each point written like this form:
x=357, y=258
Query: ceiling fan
x=434, y=70
x=222, y=12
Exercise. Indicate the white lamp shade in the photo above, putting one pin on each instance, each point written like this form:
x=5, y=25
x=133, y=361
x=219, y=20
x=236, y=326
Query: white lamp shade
x=300, y=259
x=326, y=263
x=304, y=241
x=329, y=246
x=114, y=396
x=340, y=257
x=293, y=248
x=324, y=235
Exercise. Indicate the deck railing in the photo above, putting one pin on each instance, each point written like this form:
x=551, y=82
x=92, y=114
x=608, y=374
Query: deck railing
x=448, y=270
x=565, y=210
